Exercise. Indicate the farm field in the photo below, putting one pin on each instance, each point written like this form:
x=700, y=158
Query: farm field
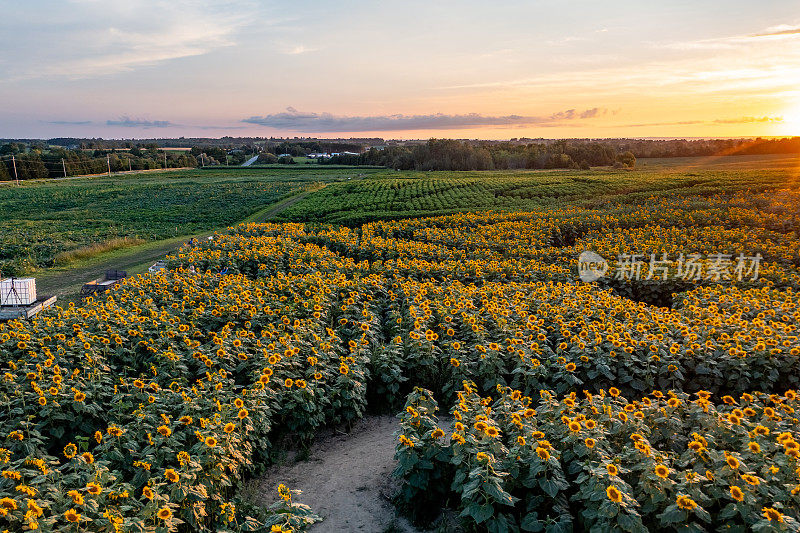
x=42, y=223
x=623, y=404
x=401, y=195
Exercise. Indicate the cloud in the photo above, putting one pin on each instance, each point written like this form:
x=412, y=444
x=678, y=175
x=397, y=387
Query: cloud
x=747, y=120
x=101, y=38
x=127, y=122
x=782, y=30
x=733, y=42
x=297, y=50
x=295, y=120
x=593, y=112
x=737, y=120
x=69, y=122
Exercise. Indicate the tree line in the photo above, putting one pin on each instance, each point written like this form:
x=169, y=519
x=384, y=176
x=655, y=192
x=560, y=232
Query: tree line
x=35, y=162
x=449, y=154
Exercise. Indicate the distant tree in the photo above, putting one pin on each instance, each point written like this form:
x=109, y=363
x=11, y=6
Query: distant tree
x=627, y=158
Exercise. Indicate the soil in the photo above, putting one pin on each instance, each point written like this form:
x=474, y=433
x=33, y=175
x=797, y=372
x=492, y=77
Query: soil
x=347, y=479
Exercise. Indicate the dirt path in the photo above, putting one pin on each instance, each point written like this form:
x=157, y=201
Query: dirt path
x=274, y=210
x=346, y=480
x=66, y=282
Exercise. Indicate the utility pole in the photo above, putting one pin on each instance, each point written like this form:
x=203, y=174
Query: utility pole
x=226, y=159
x=130, y=167
x=108, y=162
x=14, y=162
x=64, y=166
x=202, y=161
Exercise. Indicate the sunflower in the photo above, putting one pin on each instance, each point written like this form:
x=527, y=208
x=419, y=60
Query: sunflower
x=70, y=450
x=612, y=469
x=662, y=471
x=751, y=480
x=229, y=428
x=590, y=442
x=242, y=414
x=164, y=513
x=211, y=442
x=737, y=493
x=164, y=431
x=147, y=492
x=72, y=516
x=88, y=457
x=772, y=514
x=171, y=475
x=614, y=494
x=685, y=502
x=8, y=503
x=543, y=454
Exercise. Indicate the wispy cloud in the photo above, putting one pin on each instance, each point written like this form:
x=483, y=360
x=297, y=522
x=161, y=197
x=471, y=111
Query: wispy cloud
x=100, y=38
x=128, y=122
x=782, y=30
x=747, y=120
x=773, y=33
x=297, y=49
x=295, y=120
x=737, y=120
x=69, y=122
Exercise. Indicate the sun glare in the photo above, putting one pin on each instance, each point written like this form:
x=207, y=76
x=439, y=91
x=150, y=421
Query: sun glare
x=791, y=120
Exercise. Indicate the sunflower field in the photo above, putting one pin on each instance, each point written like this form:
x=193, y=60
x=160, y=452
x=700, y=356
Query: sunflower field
x=621, y=404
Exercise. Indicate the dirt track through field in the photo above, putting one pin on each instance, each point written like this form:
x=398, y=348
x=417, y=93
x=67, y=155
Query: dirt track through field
x=346, y=480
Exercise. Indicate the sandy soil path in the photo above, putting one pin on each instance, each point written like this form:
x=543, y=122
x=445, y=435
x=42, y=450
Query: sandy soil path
x=346, y=480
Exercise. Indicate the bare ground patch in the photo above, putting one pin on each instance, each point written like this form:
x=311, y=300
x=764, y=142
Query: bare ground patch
x=347, y=479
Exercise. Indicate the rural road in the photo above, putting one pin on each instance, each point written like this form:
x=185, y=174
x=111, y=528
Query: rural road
x=250, y=161
x=66, y=282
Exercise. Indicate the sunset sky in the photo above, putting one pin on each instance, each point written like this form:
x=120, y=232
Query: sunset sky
x=468, y=69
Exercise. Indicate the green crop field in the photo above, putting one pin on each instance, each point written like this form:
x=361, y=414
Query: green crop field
x=406, y=194
x=42, y=219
